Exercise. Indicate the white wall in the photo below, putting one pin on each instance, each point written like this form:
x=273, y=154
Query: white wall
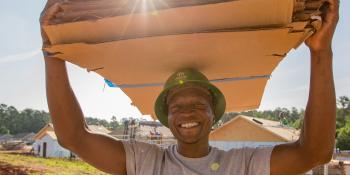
x=227, y=145
x=53, y=149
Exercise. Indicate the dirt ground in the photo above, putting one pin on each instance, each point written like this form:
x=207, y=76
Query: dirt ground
x=22, y=163
x=7, y=169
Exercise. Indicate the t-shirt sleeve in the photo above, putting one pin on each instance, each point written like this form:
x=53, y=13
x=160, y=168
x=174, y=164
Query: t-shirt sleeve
x=258, y=160
x=139, y=155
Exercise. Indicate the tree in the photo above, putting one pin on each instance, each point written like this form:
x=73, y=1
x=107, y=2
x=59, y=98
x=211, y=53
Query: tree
x=4, y=130
x=13, y=121
x=343, y=111
x=9, y=115
x=98, y=122
x=114, y=124
x=298, y=123
x=343, y=137
x=344, y=102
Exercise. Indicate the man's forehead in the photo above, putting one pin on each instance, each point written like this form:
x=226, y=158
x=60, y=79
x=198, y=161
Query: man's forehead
x=193, y=87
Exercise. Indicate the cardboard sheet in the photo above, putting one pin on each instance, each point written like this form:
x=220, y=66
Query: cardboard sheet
x=77, y=10
x=240, y=95
x=217, y=55
x=91, y=9
x=247, y=14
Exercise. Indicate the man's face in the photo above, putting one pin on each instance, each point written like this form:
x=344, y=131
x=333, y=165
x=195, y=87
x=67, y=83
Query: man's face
x=190, y=114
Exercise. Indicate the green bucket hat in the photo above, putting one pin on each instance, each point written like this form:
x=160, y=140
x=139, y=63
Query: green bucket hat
x=181, y=78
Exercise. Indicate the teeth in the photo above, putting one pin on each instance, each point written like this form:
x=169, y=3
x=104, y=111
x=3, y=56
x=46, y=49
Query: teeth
x=189, y=125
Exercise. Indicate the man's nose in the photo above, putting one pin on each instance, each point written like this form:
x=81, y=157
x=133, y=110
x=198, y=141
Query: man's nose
x=187, y=111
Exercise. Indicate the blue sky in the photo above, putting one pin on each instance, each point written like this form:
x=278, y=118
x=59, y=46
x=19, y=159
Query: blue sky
x=23, y=82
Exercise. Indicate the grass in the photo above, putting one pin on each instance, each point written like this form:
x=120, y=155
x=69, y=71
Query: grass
x=50, y=166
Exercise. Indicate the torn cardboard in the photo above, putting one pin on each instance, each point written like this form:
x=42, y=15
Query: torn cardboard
x=240, y=95
x=217, y=55
x=151, y=60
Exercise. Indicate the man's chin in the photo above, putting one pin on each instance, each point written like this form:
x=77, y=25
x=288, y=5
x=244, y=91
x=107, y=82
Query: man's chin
x=188, y=136
x=188, y=140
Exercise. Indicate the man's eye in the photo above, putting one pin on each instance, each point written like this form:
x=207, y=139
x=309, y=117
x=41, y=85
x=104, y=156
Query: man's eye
x=174, y=109
x=200, y=106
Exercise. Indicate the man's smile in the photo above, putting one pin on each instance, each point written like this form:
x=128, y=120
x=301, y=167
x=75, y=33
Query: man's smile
x=189, y=124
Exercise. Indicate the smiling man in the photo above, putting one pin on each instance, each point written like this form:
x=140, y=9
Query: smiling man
x=189, y=105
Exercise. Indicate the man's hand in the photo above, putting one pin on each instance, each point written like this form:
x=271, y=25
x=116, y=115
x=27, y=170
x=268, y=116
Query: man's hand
x=51, y=8
x=322, y=39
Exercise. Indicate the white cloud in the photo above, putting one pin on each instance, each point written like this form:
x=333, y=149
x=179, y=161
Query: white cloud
x=19, y=56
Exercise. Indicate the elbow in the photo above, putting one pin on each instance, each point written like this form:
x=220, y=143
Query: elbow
x=64, y=143
x=70, y=142
x=317, y=154
x=325, y=157
x=320, y=157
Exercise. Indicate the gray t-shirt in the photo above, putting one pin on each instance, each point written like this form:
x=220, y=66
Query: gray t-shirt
x=147, y=159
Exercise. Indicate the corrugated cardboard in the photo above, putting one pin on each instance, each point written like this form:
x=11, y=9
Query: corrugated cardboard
x=144, y=61
x=95, y=9
x=229, y=15
x=153, y=59
x=73, y=10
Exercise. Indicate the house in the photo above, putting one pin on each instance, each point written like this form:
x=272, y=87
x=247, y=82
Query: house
x=244, y=131
x=148, y=128
x=154, y=132
x=19, y=141
x=145, y=131
x=46, y=144
x=5, y=138
x=27, y=138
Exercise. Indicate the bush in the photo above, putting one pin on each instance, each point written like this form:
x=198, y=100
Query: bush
x=343, y=139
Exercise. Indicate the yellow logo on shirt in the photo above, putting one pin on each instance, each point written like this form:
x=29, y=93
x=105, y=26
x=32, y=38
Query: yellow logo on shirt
x=215, y=166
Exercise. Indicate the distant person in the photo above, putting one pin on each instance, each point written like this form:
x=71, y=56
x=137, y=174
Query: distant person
x=189, y=105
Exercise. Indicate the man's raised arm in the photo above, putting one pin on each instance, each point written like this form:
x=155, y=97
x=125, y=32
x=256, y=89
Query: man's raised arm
x=103, y=152
x=316, y=143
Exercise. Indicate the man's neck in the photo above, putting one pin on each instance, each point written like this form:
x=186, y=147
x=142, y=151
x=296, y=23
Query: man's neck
x=195, y=150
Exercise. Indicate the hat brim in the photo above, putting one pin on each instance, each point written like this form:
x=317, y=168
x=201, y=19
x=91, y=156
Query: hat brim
x=161, y=108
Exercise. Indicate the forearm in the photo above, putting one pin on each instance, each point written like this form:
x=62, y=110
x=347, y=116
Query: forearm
x=319, y=124
x=101, y=151
x=65, y=111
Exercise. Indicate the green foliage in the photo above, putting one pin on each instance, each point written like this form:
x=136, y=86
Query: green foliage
x=343, y=123
x=4, y=130
x=113, y=125
x=343, y=138
x=343, y=111
x=13, y=121
x=96, y=121
x=298, y=123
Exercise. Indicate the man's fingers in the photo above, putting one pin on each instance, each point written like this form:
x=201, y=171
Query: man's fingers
x=330, y=11
x=333, y=5
x=334, y=2
x=49, y=13
x=49, y=3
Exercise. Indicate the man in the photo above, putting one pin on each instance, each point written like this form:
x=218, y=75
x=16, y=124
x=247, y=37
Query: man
x=189, y=105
